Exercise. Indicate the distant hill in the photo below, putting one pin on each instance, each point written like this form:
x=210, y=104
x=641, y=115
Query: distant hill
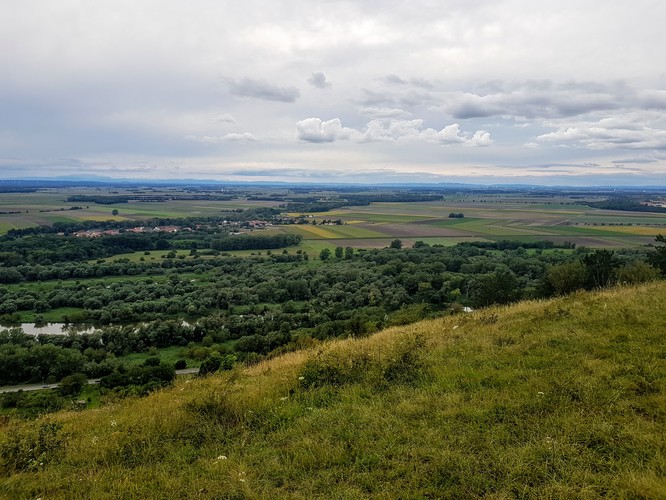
x=562, y=398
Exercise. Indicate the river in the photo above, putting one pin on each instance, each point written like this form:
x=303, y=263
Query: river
x=51, y=328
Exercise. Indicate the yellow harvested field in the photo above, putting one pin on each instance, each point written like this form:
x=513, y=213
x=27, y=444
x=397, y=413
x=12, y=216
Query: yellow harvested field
x=104, y=217
x=318, y=231
x=642, y=230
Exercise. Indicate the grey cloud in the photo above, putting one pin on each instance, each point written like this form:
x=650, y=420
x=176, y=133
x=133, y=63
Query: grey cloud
x=416, y=82
x=318, y=80
x=528, y=99
x=407, y=97
x=284, y=172
x=547, y=99
x=261, y=89
x=394, y=80
x=226, y=118
x=608, y=134
x=364, y=175
x=636, y=160
x=383, y=112
x=215, y=139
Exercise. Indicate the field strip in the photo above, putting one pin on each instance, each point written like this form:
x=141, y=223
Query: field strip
x=319, y=231
x=638, y=230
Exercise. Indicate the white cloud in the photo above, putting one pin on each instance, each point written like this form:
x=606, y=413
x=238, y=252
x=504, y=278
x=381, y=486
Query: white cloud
x=316, y=130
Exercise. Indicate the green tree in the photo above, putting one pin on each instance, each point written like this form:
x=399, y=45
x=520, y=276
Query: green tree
x=72, y=384
x=339, y=252
x=325, y=254
x=500, y=287
x=211, y=364
x=599, y=268
x=567, y=277
x=396, y=244
x=637, y=272
x=658, y=257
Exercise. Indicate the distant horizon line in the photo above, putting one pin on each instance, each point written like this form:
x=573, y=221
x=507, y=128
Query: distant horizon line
x=102, y=180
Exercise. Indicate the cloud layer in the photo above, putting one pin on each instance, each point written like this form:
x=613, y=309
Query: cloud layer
x=472, y=90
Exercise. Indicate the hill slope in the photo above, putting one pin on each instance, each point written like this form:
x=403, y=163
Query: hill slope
x=548, y=399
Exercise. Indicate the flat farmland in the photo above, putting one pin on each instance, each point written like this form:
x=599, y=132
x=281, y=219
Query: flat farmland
x=486, y=217
x=22, y=210
x=497, y=218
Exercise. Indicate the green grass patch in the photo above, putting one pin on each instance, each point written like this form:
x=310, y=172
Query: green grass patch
x=167, y=354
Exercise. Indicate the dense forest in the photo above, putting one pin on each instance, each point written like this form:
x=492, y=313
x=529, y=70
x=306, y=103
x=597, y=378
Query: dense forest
x=247, y=308
x=625, y=203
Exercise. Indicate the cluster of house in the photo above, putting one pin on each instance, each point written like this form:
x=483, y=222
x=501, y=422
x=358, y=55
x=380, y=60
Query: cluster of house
x=96, y=233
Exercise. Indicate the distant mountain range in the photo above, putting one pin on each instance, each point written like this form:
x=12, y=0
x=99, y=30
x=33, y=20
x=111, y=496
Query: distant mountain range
x=97, y=180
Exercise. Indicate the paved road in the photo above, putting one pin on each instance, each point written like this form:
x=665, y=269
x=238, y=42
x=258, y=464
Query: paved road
x=37, y=387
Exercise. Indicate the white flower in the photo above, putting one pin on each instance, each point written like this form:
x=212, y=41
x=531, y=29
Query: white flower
x=284, y=398
x=301, y=378
x=114, y=423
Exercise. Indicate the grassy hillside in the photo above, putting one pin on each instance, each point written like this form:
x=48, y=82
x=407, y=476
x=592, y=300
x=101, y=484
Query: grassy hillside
x=551, y=399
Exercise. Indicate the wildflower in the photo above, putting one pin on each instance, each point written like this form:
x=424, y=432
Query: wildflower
x=95, y=439
x=540, y=393
x=301, y=378
x=222, y=457
x=113, y=423
x=284, y=398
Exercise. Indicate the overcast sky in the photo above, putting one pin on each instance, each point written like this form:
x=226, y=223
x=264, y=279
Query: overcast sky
x=546, y=92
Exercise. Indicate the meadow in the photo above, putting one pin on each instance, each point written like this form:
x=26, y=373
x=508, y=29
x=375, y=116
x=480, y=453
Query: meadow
x=561, y=398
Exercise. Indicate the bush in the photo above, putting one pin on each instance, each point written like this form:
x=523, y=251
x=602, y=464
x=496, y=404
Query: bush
x=72, y=384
